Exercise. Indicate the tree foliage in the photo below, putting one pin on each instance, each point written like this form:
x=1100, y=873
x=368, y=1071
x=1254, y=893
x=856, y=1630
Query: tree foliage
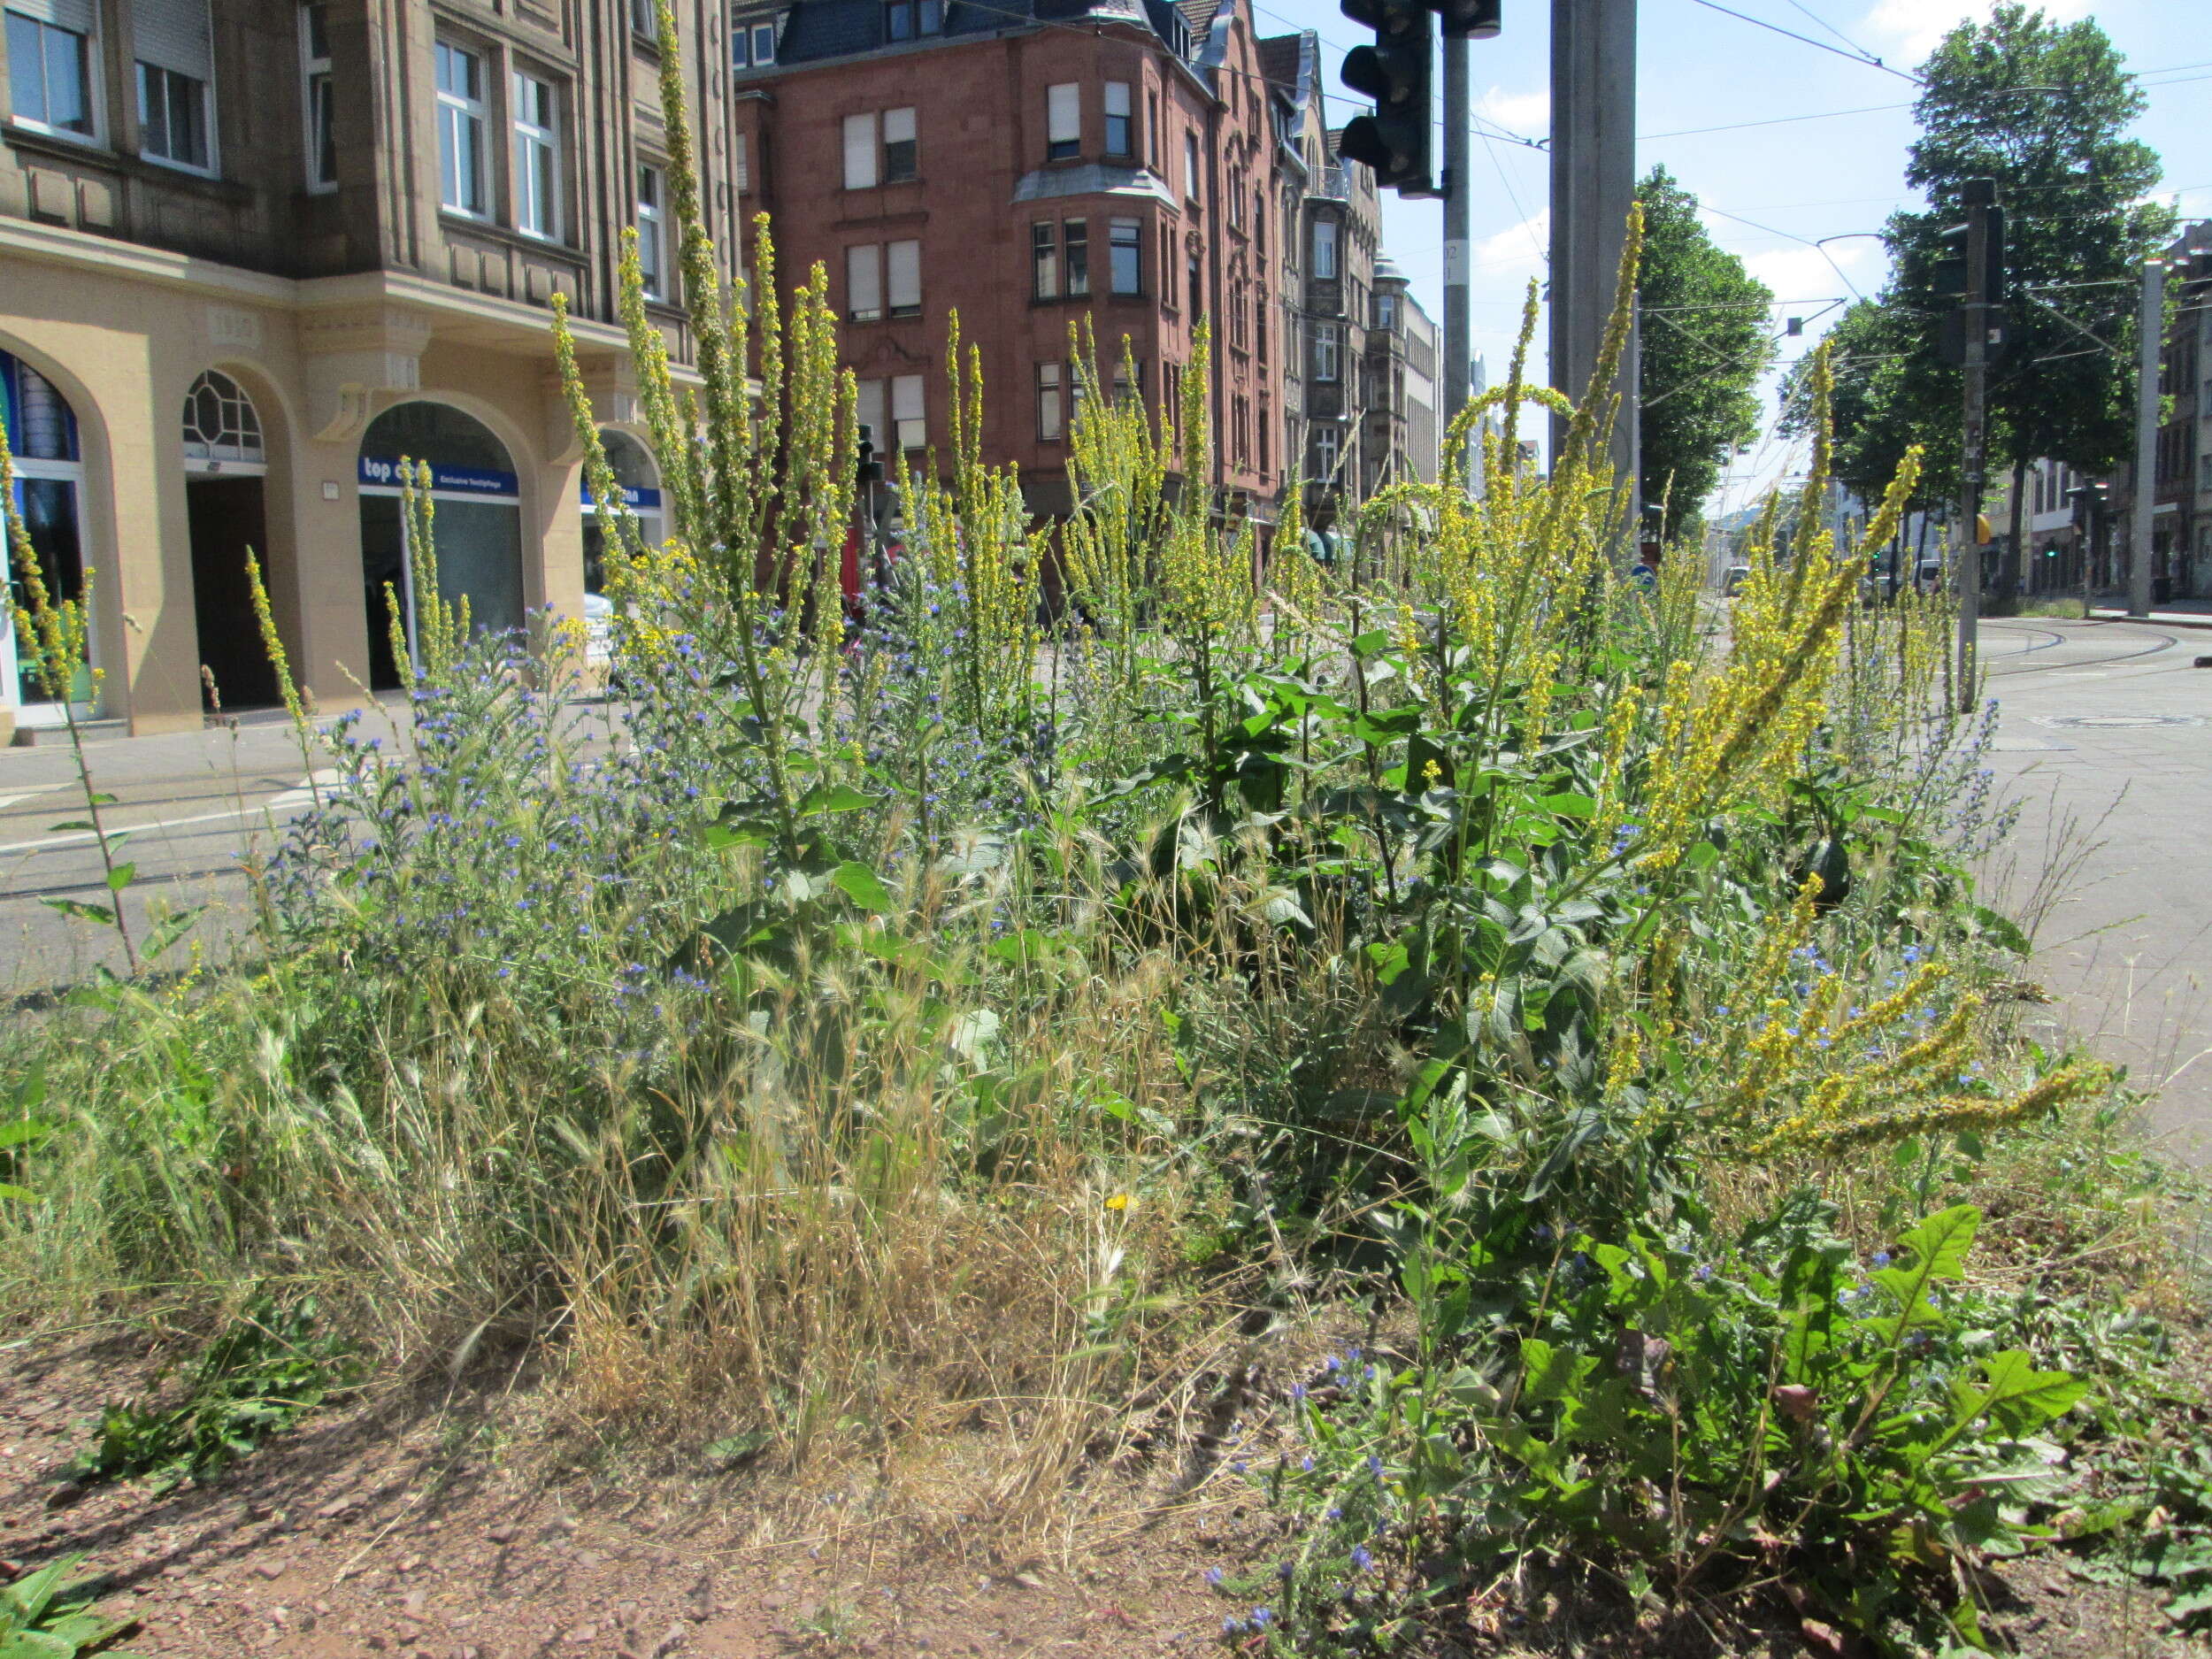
x=2042, y=108
x=1704, y=345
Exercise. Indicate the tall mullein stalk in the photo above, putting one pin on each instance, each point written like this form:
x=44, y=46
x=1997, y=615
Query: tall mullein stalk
x=1118, y=459
x=758, y=474
x=53, y=636
x=280, y=662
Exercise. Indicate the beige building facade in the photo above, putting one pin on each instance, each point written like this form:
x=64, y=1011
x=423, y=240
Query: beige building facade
x=252, y=252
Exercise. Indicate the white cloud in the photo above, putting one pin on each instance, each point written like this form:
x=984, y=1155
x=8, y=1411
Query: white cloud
x=1526, y=245
x=1906, y=31
x=1799, y=272
x=1527, y=113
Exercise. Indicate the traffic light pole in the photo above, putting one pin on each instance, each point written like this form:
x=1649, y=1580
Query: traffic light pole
x=1459, y=345
x=1981, y=194
x=2150, y=326
x=1592, y=187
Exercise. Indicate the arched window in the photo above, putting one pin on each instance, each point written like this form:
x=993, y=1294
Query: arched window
x=222, y=434
x=48, y=486
x=477, y=518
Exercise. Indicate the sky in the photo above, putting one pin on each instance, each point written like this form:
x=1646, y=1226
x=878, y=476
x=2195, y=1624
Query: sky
x=1773, y=186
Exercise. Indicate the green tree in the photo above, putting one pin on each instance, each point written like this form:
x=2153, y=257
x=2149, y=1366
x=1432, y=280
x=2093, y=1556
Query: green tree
x=2042, y=108
x=1704, y=345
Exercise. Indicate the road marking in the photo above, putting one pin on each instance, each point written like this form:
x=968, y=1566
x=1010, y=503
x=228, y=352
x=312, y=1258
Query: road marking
x=300, y=795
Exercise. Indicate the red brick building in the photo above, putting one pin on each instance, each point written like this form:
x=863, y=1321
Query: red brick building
x=1027, y=163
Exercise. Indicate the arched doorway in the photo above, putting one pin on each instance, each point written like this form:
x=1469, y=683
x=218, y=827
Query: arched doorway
x=49, y=462
x=225, y=463
x=477, y=520
x=639, y=483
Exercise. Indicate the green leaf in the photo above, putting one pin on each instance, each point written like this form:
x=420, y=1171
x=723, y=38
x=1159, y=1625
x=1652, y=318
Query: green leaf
x=834, y=797
x=2001, y=930
x=22, y=1193
x=733, y=1449
x=2014, y=1395
x=1940, y=1244
x=170, y=929
x=122, y=877
x=80, y=912
x=71, y=823
x=1568, y=805
x=863, y=886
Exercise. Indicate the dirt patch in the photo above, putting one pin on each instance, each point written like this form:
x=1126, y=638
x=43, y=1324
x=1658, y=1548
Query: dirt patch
x=386, y=1530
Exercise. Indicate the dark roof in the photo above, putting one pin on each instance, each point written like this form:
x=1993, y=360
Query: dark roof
x=1198, y=14
x=816, y=29
x=1278, y=60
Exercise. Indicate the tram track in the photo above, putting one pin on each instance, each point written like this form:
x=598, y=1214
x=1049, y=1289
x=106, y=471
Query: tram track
x=2009, y=666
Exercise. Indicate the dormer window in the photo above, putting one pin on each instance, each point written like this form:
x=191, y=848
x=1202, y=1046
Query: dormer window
x=907, y=19
x=753, y=43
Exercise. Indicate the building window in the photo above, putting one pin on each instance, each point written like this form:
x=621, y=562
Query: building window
x=1128, y=377
x=1326, y=366
x=864, y=284
x=1239, y=425
x=42, y=436
x=49, y=81
x=1152, y=129
x=1167, y=263
x=1077, y=233
x=904, y=262
x=1049, y=411
x=315, y=97
x=905, y=20
x=1325, y=249
x=1120, y=141
x=461, y=130
x=221, y=428
x=1259, y=325
x=1236, y=205
x=537, y=158
x=1325, y=453
x=900, y=157
x=176, y=66
x=741, y=163
x=906, y=412
x=1190, y=167
x=752, y=45
x=652, y=233
x=860, y=152
x=1259, y=220
x=1064, y=122
x=1197, y=287
x=873, y=413
x=1044, y=262
x=1263, y=432
x=1385, y=310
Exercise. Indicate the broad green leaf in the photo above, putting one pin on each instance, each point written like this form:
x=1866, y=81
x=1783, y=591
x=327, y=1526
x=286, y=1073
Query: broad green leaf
x=834, y=797
x=70, y=824
x=122, y=877
x=1940, y=1244
x=863, y=886
x=170, y=929
x=80, y=912
x=2015, y=1396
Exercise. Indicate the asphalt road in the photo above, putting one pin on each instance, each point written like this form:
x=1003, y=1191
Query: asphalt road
x=2104, y=740
x=193, y=802
x=2105, y=743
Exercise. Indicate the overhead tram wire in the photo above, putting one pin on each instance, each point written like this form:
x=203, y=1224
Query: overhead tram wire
x=1867, y=59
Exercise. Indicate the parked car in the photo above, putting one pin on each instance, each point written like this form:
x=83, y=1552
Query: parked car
x=1732, y=583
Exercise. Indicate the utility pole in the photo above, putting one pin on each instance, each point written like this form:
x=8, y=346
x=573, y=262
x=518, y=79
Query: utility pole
x=1459, y=327
x=2150, y=331
x=1592, y=187
x=1980, y=196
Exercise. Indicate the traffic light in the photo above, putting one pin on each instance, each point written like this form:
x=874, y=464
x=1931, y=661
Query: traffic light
x=1478, y=20
x=1394, y=71
x=869, y=470
x=1947, y=277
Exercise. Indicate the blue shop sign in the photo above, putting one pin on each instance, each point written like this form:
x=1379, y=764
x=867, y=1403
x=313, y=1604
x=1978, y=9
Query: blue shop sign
x=458, y=480
x=636, y=497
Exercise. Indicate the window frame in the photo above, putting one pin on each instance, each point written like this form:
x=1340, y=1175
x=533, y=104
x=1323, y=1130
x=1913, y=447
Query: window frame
x=1075, y=259
x=89, y=81
x=1063, y=139
x=1052, y=413
x=860, y=141
x=1126, y=150
x=1191, y=193
x=906, y=20
x=1124, y=236
x=918, y=439
x=893, y=261
x=459, y=113
x=869, y=256
x=538, y=193
x=1328, y=361
x=1332, y=273
x=202, y=99
x=318, y=88
x=652, y=215
x=905, y=151
x=1044, y=259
